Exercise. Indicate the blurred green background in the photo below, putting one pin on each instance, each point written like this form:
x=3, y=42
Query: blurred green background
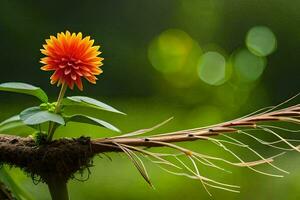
x=201, y=61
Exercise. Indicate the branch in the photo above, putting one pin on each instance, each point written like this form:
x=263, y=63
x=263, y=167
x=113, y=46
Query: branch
x=63, y=157
x=290, y=115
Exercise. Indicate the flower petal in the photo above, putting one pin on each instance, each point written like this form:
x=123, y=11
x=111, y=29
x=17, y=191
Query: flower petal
x=71, y=56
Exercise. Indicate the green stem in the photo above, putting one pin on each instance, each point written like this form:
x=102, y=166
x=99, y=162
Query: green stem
x=58, y=188
x=61, y=97
x=52, y=125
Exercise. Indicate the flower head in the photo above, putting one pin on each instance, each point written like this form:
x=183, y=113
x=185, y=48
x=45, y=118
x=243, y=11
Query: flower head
x=71, y=57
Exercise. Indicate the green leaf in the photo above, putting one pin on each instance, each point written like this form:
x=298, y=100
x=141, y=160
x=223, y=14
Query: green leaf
x=34, y=115
x=17, y=191
x=24, y=88
x=89, y=102
x=14, y=118
x=91, y=120
x=16, y=126
x=10, y=123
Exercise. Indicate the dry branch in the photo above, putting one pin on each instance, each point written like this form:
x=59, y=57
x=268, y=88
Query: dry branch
x=290, y=114
x=64, y=157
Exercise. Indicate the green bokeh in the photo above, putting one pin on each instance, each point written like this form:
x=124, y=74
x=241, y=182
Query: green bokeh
x=249, y=67
x=212, y=68
x=261, y=41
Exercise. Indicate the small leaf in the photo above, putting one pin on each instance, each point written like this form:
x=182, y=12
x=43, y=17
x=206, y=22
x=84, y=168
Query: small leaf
x=24, y=88
x=10, y=123
x=15, y=125
x=34, y=115
x=89, y=102
x=91, y=120
x=14, y=118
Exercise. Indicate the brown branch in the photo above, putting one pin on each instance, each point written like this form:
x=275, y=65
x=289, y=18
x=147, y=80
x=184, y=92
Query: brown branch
x=289, y=114
x=64, y=157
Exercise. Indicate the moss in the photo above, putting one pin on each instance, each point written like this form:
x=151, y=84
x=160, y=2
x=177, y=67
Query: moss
x=61, y=158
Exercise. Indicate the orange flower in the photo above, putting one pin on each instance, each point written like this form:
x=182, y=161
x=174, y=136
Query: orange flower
x=71, y=57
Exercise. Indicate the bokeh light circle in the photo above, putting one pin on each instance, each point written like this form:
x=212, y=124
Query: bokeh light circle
x=248, y=66
x=167, y=53
x=212, y=68
x=261, y=41
x=175, y=54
